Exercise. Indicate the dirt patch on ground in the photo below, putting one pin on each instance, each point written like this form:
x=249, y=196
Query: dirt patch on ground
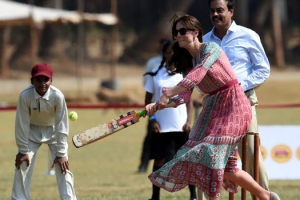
x=84, y=85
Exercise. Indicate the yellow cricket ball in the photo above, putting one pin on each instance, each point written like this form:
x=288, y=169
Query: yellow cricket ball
x=73, y=116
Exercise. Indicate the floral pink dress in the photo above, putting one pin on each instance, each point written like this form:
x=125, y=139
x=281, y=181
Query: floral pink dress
x=221, y=125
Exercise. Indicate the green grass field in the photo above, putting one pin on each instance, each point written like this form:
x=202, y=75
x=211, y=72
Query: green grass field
x=107, y=169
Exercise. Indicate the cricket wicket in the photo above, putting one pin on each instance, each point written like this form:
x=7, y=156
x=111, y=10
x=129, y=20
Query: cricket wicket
x=244, y=162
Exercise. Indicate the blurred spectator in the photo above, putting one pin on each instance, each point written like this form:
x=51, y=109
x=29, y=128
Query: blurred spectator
x=246, y=54
x=154, y=61
x=170, y=125
x=146, y=149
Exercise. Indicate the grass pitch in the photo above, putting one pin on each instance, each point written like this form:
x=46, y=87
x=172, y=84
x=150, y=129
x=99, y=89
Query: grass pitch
x=107, y=168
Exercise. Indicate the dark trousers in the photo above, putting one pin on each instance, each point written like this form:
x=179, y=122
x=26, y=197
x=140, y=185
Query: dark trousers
x=147, y=152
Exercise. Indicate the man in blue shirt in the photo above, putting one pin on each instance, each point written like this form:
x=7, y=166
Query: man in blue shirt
x=249, y=61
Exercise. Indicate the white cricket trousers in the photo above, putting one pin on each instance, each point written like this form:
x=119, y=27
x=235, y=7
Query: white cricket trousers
x=22, y=179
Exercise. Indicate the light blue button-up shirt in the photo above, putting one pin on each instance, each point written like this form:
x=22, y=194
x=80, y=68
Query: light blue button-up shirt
x=245, y=53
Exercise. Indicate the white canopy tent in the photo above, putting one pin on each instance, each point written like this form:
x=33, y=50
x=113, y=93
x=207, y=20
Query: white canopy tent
x=13, y=13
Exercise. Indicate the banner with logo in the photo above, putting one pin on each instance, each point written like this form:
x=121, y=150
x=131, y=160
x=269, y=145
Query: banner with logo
x=280, y=147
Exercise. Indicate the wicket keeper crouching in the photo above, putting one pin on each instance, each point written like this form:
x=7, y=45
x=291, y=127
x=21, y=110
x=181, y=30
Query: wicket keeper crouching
x=42, y=117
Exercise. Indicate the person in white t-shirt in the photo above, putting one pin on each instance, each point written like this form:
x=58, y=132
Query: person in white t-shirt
x=146, y=154
x=154, y=61
x=166, y=129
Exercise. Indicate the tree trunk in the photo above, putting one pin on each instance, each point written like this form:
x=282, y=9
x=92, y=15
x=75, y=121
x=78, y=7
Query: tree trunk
x=261, y=16
x=164, y=25
x=279, y=18
x=52, y=45
x=161, y=29
x=80, y=49
x=35, y=42
x=277, y=31
x=241, y=15
x=114, y=44
x=5, y=51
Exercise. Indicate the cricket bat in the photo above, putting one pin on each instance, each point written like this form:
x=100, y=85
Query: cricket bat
x=103, y=130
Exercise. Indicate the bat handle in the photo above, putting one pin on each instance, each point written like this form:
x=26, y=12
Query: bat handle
x=144, y=112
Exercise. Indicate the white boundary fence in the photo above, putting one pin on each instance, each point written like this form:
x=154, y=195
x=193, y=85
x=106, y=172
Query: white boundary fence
x=280, y=146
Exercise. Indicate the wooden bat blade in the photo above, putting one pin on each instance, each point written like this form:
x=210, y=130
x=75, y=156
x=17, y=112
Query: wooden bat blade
x=103, y=130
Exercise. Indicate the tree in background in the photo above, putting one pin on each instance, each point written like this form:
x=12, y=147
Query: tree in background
x=142, y=24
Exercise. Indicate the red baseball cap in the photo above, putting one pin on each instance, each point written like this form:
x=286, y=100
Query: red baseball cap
x=41, y=69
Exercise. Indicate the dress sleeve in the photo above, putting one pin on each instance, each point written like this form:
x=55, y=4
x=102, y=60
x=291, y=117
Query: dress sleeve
x=209, y=54
x=22, y=125
x=61, y=126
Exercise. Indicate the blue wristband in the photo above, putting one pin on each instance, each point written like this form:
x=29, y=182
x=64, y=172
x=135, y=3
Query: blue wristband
x=152, y=117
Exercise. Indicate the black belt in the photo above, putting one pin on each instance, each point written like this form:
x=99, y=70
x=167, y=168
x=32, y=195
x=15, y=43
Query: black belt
x=248, y=90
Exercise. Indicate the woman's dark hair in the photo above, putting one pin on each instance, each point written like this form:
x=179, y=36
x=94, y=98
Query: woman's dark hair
x=165, y=47
x=181, y=59
x=230, y=4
